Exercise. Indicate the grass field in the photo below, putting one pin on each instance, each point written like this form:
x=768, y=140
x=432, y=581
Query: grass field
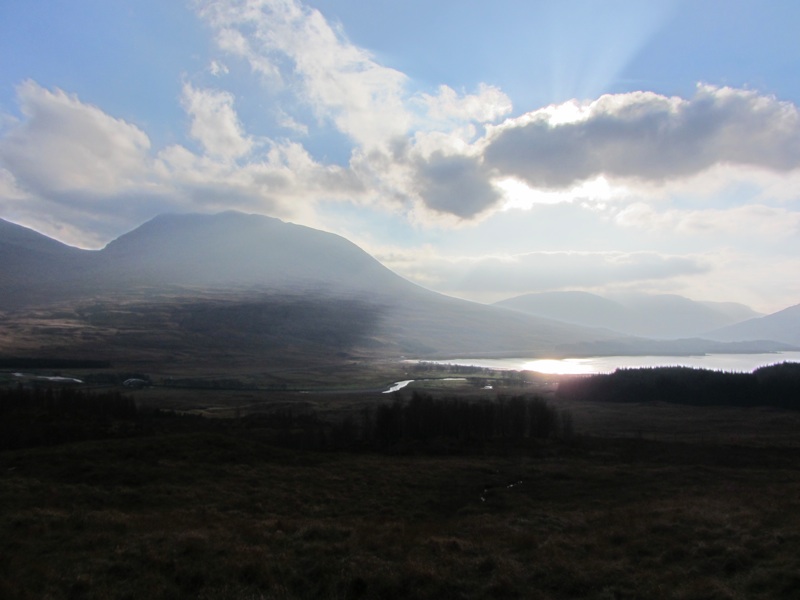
x=646, y=501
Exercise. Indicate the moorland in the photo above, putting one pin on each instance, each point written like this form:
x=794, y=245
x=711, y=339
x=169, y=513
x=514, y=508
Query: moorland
x=206, y=489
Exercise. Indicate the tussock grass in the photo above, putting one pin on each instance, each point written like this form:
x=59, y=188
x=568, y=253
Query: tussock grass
x=223, y=514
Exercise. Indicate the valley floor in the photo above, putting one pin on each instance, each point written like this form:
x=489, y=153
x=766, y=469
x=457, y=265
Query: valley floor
x=201, y=508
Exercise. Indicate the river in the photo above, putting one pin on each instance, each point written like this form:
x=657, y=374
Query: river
x=743, y=363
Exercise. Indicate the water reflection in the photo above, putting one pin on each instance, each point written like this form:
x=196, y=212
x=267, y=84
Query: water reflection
x=567, y=366
x=398, y=386
x=741, y=363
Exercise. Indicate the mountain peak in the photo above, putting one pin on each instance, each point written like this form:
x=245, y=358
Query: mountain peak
x=238, y=249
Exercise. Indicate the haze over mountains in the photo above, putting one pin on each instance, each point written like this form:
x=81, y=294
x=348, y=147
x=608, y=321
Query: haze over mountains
x=782, y=326
x=207, y=251
x=254, y=281
x=663, y=316
x=231, y=284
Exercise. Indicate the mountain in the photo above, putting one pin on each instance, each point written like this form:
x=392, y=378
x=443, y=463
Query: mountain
x=670, y=316
x=224, y=251
x=579, y=308
x=233, y=284
x=36, y=269
x=782, y=326
x=252, y=290
x=235, y=249
x=733, y=310
x=663, y=316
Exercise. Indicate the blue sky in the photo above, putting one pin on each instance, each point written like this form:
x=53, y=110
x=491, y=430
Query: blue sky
x=481, y=149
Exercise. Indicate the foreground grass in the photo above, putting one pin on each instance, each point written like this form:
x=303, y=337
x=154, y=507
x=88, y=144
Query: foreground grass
x=223, y=514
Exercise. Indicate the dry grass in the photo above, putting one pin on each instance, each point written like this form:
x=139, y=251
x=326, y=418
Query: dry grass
x=225, y=515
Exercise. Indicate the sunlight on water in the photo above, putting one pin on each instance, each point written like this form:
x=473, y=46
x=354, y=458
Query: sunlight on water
x=398, y=386
x=741, y=363
x=568, y=366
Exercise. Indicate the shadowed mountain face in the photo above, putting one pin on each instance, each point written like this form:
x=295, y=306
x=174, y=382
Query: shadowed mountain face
x=247, y=288
x=35, y=269
x=222, y=252
x=662, y=316
x=243, y=281
x=234, y=249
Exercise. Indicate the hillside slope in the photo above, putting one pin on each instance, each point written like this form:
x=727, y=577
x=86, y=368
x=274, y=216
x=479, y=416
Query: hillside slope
x=35, y=269
x=232, y=283
x=782, y=326
x=662, y=316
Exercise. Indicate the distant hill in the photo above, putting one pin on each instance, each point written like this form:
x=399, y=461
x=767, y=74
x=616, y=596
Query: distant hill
x=35, y=269
x=735, y=311
x=663, y=316
x=236, y=249
x=223, y=252
x=249, y=288
x=231, y=282
x=782, y=326
x=580, y=308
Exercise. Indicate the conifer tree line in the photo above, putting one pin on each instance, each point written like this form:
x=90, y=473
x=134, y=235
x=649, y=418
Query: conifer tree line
x=65, y=401
x=777, y=385
x=424, y=418
x=52, y=415
x=419, y=420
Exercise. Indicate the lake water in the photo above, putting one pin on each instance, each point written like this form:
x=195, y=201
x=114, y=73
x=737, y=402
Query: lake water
x=743, y=363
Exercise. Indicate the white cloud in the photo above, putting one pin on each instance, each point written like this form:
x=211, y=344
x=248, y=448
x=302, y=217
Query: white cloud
x=754, y=220
x=95, y=176
x=284, y=182
x=613, y=148
x=602, y=155
x=215, y=123
x=64, y=145
x=217, y=68
x=488, y=105
x=647, y=137
x=236, y=43
x=512, y=274
x=287, y=121
x=293, y=43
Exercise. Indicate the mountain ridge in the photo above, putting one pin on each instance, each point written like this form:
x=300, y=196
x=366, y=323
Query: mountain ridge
x=782, y=326
x=250, y=264
x=661, y=316
x=275, y=286
x=236, y=248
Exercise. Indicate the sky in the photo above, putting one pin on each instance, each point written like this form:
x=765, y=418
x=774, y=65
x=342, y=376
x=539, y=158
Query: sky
x=480, y=149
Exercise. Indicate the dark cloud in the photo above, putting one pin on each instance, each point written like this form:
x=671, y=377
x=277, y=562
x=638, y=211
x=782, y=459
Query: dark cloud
x=455, y=184
x=650, y=137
